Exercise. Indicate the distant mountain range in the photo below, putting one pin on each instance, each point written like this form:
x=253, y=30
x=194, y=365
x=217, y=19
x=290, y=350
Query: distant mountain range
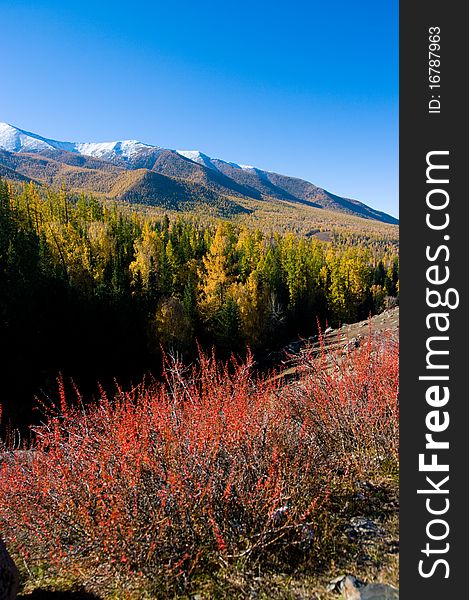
x=132, y=171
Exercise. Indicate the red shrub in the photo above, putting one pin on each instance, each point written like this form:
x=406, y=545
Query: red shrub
x=211, y=465
x=347, y=402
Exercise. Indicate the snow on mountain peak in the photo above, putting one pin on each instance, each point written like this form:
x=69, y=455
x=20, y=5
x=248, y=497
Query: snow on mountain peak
x=14, y=139
x=17, y=140
x=106, y=150
x=198, y=157
x=206, y=161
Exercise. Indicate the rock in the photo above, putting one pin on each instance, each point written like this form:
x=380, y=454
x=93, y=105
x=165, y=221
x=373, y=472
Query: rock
x=364, y=528
x=9, y=577
x=334, y=585
x=337, y=584
x=355, y=589
x=371, y=591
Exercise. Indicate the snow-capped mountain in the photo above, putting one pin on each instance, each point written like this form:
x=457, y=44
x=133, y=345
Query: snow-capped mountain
x=144, y=173
x=13, y=139
x=198, y=157
x=108, y=150
x=207, y=161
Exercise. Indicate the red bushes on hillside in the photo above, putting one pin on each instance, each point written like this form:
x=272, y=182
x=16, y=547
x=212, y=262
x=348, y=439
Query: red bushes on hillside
x=212, y=466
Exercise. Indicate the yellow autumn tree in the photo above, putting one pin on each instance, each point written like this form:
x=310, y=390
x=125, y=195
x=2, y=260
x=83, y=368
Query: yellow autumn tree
x=252, y=300
x=216, y=277
x=350, y=279
x=147, y=249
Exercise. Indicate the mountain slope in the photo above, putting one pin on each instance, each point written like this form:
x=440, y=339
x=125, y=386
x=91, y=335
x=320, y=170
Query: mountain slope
x=142, y=186
x=162, y=177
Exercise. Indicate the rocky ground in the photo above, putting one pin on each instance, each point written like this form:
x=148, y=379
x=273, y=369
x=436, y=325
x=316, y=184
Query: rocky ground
x=341, y=340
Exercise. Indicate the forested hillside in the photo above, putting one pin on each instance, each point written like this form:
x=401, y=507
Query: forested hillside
x=131, y=171
x=95, y=290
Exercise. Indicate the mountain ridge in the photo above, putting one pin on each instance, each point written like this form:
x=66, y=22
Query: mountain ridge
x=184, y=176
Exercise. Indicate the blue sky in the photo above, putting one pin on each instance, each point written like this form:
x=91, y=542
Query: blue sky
x=304, y=88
